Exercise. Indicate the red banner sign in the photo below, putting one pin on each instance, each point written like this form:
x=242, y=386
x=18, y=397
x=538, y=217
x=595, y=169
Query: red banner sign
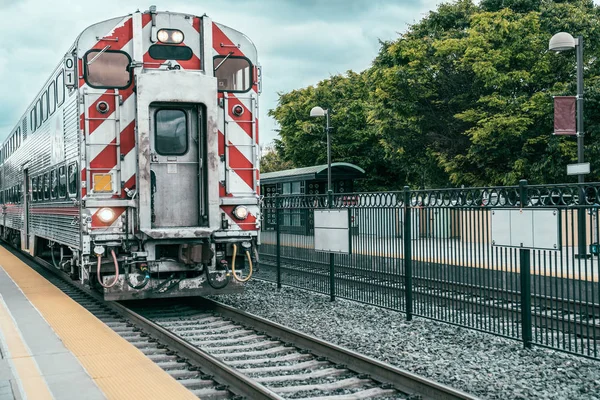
x=564, y=115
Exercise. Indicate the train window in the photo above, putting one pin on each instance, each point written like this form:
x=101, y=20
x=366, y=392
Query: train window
x=107, y=69
x=40, y=187
x=19, y=137
x=170, y=131
x=46, y=187
x=32, y=118
x=60, y=89
x=234, y=74
x=53, y=184
x=24, y=128
x=34, y=189
x=19, y=193
x=62, y=183
x=73, y=179
x=46, y=104
x=40, y=112
x=168, y=52
x=51, y=98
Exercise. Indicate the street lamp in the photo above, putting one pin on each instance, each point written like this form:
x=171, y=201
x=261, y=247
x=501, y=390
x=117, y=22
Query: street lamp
x=319, y=112
x=560, y=42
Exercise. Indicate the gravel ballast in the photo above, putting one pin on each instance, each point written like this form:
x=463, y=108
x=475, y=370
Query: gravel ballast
x=478, y=363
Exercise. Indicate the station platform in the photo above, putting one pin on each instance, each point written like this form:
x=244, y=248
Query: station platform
x=52, y=348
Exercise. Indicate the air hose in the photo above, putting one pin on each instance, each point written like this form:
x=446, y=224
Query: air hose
x=145, y=270
x=247, y=278
x=116, y=271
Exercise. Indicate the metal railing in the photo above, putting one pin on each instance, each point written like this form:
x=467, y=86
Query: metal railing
x=429, y=253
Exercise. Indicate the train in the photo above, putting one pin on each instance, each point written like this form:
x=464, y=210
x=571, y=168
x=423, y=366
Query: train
x=134, y=170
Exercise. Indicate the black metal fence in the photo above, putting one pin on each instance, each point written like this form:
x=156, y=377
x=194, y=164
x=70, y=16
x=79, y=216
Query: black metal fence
x=430, y=254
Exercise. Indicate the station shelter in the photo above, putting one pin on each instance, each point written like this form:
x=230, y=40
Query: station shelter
x=307, y=180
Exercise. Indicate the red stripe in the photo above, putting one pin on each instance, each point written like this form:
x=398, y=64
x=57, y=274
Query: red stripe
x=146, y=19
x=124, y=33
x=221, y=144
x=244, y=121
x=196, y=24
x=222, y=44
x=55, y=211
x=83, y=179
x=110, y=98
x=248, y=224
x=96, y=223
x=240, y=164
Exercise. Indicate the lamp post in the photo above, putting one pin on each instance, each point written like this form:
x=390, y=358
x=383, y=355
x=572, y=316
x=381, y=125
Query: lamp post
x=563, y=41
x=319, y=112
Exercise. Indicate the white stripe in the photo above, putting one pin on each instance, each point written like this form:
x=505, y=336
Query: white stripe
x=105, y=133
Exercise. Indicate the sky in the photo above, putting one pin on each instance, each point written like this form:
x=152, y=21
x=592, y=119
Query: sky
x=299, y=42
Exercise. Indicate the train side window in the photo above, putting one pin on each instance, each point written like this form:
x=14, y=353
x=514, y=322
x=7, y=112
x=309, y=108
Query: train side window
x=46, y=104
x=52, y=97
x=170, y=132
x=62, y=183
x=19, y=191
x=53, y=184
x=60, y=89
x=32, y=119
x=234, y=74
x=40, y=112
x=46, y=187
x=107, y=69
x=34, y=189
x=40, y=187
x=19, y=137
x=72, y=179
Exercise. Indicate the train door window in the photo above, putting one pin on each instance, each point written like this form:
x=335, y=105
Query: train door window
x=46, y=187
x=53, y=184
x=171, y=132
x=34, y=189
x=19, y=193
x=60, y=89
x=72, y=179
x=62, y=183
x=107, y=69
x=234, y=74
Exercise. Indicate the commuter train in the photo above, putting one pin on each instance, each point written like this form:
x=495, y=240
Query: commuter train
x=135, y=168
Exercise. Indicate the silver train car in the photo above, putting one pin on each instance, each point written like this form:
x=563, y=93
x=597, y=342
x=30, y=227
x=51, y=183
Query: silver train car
x=135, y=168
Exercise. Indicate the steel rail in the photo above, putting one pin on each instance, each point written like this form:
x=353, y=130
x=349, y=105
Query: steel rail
x=402, y=380
x=237, y=382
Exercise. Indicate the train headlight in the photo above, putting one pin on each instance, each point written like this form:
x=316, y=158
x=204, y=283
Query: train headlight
x=172, y=36
x=177, y=36
x=163, y=35
x=240, y=212
x=106, y=215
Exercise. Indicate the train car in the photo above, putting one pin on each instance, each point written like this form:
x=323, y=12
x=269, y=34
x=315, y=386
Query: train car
x=135, y=167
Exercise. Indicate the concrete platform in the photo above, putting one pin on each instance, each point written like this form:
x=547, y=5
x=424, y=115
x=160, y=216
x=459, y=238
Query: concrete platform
x=52, y=348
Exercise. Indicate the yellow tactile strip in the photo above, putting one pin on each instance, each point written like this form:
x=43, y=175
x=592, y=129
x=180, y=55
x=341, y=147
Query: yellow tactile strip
x=119, y=369
x=29, y=376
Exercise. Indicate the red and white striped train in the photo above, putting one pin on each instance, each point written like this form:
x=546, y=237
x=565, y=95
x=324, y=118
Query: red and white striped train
x=135, y=168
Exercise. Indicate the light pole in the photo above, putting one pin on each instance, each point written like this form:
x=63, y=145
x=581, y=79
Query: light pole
x=563, y=41
x=319, y=112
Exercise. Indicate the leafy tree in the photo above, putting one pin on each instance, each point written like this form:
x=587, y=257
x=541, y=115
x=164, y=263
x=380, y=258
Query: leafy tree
x=463, y=97
x=272, y=162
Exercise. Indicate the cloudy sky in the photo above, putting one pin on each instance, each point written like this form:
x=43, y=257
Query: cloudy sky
x=300, y=42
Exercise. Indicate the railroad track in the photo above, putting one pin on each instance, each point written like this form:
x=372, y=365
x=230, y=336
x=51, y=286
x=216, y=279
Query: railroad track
x=218, y=352
x=289, y=363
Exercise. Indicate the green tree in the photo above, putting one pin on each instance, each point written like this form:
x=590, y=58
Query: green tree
x=271, y=161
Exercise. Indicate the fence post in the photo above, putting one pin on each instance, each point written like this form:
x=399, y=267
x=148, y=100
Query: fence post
x=278, y=238
x=525, y=273
x=331, y=256
x=407, y=255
